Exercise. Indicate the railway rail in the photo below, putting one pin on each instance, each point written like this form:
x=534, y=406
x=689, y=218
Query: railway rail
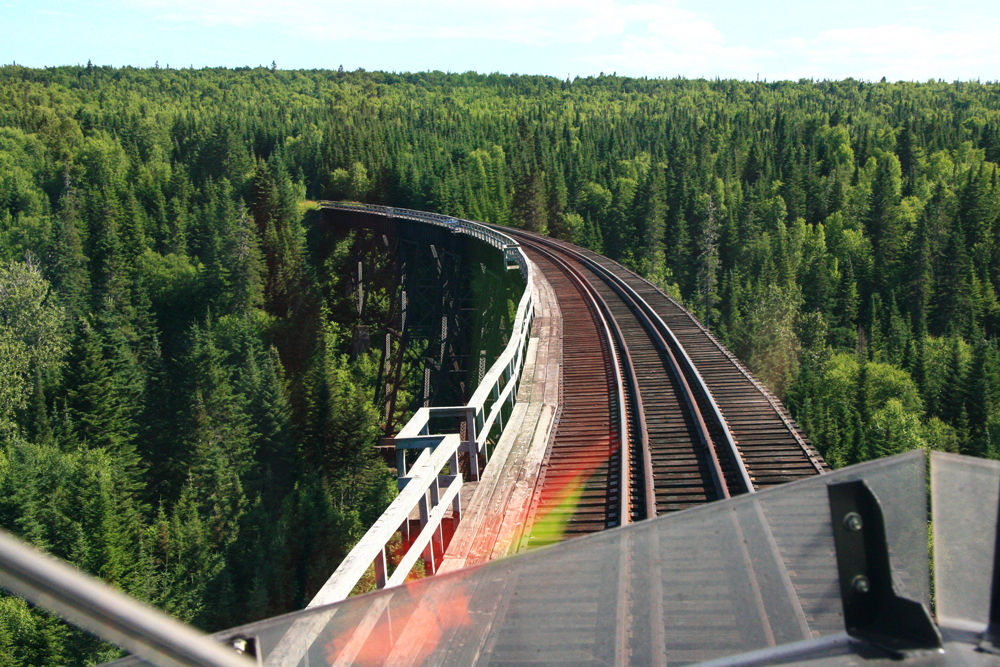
x=692, y=425
x=579, y=490
x=657, y=417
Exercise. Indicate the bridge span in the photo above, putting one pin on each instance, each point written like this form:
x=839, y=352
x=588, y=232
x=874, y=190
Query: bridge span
x=610, y=405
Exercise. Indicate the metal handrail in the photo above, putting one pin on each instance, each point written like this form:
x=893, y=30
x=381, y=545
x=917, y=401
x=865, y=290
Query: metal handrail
x=91, y=604
x=471, y=228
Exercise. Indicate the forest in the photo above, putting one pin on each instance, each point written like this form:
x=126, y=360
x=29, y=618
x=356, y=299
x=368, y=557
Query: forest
x=181, y=409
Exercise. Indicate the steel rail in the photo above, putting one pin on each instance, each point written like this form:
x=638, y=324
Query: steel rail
x=612, y=361
x=615, y=280
x=631, y=377
x=733, y=450
x=808, y=451
x=620, y=364
x=670, y=345
x=660, y=333
x=631, y=297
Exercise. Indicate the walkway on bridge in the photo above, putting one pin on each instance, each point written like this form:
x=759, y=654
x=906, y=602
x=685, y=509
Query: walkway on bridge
x=498, y=512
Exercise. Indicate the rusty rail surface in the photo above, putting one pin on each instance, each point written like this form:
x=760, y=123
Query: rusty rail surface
x=754, y=434
x=769, y=442
x=681, y=463
x=583, y=484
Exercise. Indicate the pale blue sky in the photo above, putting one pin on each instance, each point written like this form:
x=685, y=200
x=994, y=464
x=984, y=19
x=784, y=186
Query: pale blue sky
x=775, y=39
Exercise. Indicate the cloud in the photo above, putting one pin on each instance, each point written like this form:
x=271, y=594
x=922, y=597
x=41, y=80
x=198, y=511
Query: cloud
x=900, y=52
x=534, y=22
x=668, y=40
x=633, y=37
x=630, y=36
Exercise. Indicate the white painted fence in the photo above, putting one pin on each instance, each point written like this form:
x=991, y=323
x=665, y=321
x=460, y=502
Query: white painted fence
x=423, y=484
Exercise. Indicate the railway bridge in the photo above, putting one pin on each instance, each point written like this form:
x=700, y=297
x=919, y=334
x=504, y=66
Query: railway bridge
x=611, y=404
x=567, y=396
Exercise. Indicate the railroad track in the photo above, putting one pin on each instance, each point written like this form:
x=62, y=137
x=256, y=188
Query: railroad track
x=682, y=423
x=656, y=416
x=698, y=427
x=579, y=490
x=772, y=447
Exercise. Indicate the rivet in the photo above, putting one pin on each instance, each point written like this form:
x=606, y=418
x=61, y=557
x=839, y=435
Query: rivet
x=853, y=521
x=861, y=584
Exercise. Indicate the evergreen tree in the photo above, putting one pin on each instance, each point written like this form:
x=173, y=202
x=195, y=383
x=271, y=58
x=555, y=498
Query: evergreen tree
x=884, y=218
x=94, y=402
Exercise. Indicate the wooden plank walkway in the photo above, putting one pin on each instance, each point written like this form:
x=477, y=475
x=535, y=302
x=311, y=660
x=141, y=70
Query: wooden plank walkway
x=498, y=510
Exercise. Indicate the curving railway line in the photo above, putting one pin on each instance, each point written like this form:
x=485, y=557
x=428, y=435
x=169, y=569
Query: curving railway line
x=657, y=415
x=654, y=416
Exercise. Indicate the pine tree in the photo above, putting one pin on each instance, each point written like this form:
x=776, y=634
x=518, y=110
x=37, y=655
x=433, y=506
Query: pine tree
x=981, y=394
x=951, y=305
x=708, y=258
x=215, y=454
x=268, y=409
x=920, y=275
x=67, y=265
x=95, y=403
x=528, y=208
x=884, y=220
x=952, y=403
x=40, y=426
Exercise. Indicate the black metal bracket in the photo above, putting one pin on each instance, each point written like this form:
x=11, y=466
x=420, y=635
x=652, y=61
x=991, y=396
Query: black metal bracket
x=873, y=612
x=990, y=641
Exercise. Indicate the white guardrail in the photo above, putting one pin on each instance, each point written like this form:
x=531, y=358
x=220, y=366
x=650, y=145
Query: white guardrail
x=423, y=486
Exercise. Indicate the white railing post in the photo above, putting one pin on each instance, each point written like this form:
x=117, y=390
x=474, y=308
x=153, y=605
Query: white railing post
x=424, y=512
x=438, y=538
x=456, y=508
x=484, y=432
x=473, y=461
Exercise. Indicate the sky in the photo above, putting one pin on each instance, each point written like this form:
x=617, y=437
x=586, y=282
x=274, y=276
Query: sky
x=766, y=39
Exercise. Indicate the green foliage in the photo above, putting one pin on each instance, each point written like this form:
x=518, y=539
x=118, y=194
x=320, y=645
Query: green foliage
x=161, y=358
x=31, y=336
x=29, y=638
x=173, y=350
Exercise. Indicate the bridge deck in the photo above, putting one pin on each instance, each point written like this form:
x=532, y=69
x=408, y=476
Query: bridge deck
x=499, y=518
x=494, y=518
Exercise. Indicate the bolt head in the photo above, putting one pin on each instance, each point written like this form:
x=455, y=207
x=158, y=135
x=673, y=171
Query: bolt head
x=861, y=584
x=853, y=522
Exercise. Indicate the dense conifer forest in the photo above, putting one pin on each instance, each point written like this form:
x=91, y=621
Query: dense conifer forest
x=181, y=413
